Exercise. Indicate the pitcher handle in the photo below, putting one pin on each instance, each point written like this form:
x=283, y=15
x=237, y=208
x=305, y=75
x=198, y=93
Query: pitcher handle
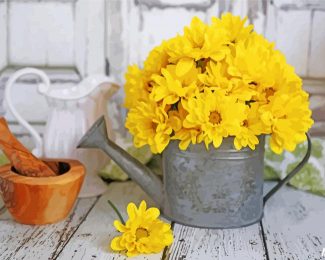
x=38, y=150
x=292, y=173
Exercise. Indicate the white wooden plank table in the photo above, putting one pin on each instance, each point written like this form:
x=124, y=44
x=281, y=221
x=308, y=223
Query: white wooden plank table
x=293, y=227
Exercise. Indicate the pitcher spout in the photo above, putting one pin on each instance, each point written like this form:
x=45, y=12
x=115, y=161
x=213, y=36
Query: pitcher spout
x=96, y=137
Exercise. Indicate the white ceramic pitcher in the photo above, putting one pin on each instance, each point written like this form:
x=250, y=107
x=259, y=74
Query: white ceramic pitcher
x=73, y=109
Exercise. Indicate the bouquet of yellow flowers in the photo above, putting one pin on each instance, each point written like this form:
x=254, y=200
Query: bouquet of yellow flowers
x=216, y=81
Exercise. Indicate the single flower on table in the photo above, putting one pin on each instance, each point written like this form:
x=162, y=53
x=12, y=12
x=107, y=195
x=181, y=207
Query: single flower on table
x=143, y=232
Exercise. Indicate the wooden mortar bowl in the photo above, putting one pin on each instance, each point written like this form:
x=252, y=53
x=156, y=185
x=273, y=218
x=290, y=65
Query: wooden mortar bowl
x=41, y=200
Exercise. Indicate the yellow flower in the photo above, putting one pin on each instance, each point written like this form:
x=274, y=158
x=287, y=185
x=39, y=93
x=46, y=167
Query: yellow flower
x=188, y=45
x=147, y=122
x=195, y=32
x=156, y=60
x=216, y=115
x=250, y=128
x=216, y=44
x=289, y=118
x=250, y=62
x=234, y=26
x=185, y=135
x=199, y=41
x=214, y=81
x=143, y=233
x=170, y=88
x=216, y=76
x=282, y=77
x=136, y=86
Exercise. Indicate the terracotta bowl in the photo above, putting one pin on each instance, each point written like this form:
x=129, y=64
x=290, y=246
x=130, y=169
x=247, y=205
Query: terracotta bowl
x=41, y=200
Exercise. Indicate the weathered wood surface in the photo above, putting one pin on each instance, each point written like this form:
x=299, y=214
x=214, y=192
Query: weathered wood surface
x=294, y=225
x=39, y=242
x=91, y=241
x=292, y=229
x=194, y=243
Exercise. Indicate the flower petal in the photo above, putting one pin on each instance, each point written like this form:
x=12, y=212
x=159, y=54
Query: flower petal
x=132, y=210
x=142, y=207
x=152, y=213
x=115, y=244
x=119, y=226
x=183, y=66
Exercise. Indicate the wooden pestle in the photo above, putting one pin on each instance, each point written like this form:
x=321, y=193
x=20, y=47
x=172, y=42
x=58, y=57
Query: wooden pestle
x=20, y=157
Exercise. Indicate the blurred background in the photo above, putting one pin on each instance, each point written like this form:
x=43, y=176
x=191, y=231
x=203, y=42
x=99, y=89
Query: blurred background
x=70, y=39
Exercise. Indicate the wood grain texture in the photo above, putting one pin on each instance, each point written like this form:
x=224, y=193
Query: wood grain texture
x=194, y=243
x=91, y=241
x=40, y=242
x=35, y=200
x=294, y=225
x=20, y=157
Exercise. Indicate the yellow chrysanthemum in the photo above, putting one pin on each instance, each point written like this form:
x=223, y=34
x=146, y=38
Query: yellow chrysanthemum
x=170, y=88
x=234, y=26
x=250, y=129
x=216, y=115
x=198, y=42
x=187, y=46
x=283, y=79
x=289, y=118
x=143, y=233
x=147, y=122
x=216, y=45
x=250, y=62
x=216, y=76
x=156, y=60
x=214, y=81
x=135, y=86
x=185, y=135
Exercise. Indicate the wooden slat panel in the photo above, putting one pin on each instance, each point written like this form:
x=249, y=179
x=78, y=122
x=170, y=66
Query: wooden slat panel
x=294, y=225
x=93, y=237
x=41, y=33
x=90, y=36
x=317, y=48
x=292, y=37
x=19, y=241
x=117, y=36
x=183, y=3
x=196, y=244
x=3, y=35
x=300, y=4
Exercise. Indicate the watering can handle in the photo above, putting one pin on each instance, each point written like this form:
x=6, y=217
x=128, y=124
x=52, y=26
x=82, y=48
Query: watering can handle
x=38, y=150
x=292, y=173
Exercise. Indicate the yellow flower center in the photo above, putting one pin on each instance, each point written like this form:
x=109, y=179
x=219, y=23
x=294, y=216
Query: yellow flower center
x=141, y=232
x=269, y=92
x=154, y=125
x=245, y=123
x=215, y=117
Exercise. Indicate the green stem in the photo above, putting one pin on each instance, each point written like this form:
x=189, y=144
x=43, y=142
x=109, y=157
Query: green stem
x=116, y=211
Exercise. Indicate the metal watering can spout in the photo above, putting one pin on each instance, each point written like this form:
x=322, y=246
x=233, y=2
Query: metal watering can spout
x=96, y=137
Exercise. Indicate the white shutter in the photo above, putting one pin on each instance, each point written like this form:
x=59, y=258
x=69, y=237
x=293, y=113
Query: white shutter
x=74, y=37
x=65, y=38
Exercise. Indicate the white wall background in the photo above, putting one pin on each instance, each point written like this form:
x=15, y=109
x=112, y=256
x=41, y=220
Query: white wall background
x=71, y=39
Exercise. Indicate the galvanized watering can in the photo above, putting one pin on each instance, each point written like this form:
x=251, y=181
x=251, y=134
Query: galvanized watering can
x=218, y=188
